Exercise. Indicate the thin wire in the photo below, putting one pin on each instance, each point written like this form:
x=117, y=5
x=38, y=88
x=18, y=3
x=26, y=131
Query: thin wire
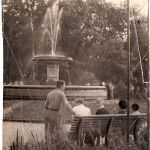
x=20, y=71
x=139, y=63
x=137, y=43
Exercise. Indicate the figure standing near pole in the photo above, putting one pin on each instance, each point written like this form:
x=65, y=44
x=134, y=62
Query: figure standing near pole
x=53, y=120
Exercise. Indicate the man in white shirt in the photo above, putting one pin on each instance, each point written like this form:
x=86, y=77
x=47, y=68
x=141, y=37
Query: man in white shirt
x=80, y=108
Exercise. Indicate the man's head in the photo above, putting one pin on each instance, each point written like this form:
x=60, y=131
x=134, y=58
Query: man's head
x=79, y=101
x=122, y=104
x=135, y=107
x=60, y=84
x=100, y=102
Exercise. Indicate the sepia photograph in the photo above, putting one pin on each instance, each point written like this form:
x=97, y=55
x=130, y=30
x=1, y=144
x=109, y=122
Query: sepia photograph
x=75, y=75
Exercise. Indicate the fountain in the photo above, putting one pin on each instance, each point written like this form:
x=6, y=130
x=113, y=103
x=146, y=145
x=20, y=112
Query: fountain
x=51, y=59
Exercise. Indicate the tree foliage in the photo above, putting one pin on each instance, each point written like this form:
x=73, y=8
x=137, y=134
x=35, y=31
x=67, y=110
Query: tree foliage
x=94, y=38
x=21, y=19
x=93, y=33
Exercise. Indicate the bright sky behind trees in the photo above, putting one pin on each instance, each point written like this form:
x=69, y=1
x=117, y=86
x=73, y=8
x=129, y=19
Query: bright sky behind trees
x=143, y=4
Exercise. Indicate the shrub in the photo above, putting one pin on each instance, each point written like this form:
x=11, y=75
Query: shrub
x=120, y=90
x=83, y=77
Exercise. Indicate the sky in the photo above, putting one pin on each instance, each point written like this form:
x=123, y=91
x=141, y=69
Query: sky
x=143, y=4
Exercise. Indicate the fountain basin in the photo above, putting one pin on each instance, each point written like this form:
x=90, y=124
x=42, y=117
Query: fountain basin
x=52, y=63
x=38, y=92
x=52, y=59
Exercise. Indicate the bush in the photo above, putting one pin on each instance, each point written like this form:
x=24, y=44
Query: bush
x=120, y=91
x=83, y=77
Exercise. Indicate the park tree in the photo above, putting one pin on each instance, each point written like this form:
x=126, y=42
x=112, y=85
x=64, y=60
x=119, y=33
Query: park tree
x=95, y=40
x=20, y=21
x=15, y=30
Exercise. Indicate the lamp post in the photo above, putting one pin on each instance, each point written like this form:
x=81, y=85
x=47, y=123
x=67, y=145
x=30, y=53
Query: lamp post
x=148, y=101
x=128, y=80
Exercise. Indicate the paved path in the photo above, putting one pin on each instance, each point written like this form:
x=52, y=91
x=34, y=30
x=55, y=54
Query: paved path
x=24, y=129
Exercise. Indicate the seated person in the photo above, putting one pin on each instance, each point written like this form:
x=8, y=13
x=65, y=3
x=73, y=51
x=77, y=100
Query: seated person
x=123, y=110
x=123, y=107
x=141, y=126
x=135, y=108
x=101, y=111
x=80, y=108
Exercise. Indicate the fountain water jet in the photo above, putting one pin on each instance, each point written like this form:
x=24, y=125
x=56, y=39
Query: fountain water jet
x=51, y=24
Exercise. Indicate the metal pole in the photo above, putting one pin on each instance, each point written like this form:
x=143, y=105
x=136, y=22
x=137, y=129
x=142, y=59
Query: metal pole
x=148, y=101
x=128, y=83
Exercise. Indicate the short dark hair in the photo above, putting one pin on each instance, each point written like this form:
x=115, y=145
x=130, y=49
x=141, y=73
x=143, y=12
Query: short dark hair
x=135, y=107
x=60, y=83
x=79, y=101
x=122, y=104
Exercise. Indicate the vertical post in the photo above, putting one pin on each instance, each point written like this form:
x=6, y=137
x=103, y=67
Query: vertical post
x=148, y=101
x=128, y=91
x=148, y=107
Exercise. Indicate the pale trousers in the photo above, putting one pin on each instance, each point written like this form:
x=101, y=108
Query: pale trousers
x=53, y=125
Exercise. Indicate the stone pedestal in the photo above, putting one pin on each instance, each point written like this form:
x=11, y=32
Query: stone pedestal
x=52, y=72
x=52, y=64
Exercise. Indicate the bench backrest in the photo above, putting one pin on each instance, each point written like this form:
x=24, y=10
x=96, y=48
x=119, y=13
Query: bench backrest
x=105, y=122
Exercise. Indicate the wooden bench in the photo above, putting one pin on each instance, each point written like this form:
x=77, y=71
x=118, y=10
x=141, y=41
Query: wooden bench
x=105, y=125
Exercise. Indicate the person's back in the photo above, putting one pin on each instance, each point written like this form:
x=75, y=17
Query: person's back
x=123, y=110
x=101, y=111
x=53, y=102
x=135, y=108
x=80, y=108
x=55, y=98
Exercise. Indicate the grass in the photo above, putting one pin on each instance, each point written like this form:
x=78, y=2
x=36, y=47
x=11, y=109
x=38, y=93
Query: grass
x=29, y=110
x=61, y=142
x=35, y=110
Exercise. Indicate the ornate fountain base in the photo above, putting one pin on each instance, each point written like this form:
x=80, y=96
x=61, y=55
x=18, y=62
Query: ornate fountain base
x=52, y=63
x=52, y=59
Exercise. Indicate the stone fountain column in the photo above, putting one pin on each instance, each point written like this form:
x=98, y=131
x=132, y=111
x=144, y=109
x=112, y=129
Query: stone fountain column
x=52, y=72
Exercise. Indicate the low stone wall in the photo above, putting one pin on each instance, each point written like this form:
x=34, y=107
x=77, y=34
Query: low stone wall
x=37, y=92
